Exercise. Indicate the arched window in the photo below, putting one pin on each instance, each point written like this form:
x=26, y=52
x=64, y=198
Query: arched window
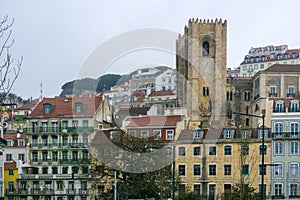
x=294, y=55
x=278, y=56
x=247, y=122
x=205, y=48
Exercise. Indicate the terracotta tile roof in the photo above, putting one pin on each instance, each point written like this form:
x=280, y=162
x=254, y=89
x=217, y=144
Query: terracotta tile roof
x=283, y=68
x=27, y=106
x=10, y=165
x=13, y=136
x=64, y=107
x=161, y=93
x=139, y=95
x=154, y=121
x=286, y=101
x=274, y=58
x=133, y=111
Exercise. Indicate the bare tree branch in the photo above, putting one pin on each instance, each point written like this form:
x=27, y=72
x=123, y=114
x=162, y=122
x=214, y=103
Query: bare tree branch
x=9, y=71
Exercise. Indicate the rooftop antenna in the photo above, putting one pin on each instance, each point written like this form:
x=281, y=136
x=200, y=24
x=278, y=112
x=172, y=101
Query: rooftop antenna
x=41, y=91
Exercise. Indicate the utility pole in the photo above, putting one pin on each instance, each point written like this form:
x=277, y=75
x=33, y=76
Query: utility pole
x=115, y=185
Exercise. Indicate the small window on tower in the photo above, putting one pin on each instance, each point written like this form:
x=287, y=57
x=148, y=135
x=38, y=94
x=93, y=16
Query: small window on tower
x=205, y=46
x=205, y=91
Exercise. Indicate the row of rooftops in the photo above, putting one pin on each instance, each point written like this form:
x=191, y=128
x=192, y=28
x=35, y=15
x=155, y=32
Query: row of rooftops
x=284, y=68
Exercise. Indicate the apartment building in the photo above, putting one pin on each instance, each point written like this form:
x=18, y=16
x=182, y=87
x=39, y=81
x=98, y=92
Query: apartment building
x=211, y=165
x=59, y=134
x=261, y=58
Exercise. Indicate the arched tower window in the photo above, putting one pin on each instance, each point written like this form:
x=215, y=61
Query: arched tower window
x=205, y=48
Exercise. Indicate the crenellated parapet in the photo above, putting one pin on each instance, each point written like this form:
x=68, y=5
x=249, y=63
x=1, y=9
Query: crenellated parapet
x=201, y=64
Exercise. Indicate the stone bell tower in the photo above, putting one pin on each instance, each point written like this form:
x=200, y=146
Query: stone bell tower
x=201, y=69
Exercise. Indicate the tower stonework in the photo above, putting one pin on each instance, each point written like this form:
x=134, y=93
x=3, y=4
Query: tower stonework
x=201, y=65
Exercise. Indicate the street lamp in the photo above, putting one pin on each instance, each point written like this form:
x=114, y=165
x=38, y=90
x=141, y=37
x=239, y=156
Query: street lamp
x=262, y=116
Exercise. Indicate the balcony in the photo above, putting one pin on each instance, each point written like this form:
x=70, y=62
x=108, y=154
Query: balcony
x=290, y=95
x=74, y=161
x=286, y=135
x=272, y=94
x=22, y=191
x=85, y=161
x=70, y=191
x=64, y=161
x=35, y=191
x=47, y=192
x=294, y=110
x=10, y=192
x=50, y=129
x=83, y=192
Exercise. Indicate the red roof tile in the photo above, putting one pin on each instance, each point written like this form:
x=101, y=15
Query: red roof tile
x=161, y=93
x=10, y=165
x=133, y=111
x=13, y=136
x=283, y=68
x=27, y=106
x=154, y=121
x=64, y=107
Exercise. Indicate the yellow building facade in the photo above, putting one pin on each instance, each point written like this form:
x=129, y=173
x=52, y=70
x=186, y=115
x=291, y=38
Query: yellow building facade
x=10, y=180
x=212, y=166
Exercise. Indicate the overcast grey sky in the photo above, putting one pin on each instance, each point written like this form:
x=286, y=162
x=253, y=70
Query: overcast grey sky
x=55, y=37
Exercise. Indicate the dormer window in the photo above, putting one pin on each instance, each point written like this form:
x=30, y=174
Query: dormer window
x=262, y=130
x=286, y=56
x=294, y=55
x=228, y=133
x=279, y=106
x=252, y=59
x=78, y=107
x=246, y=60
x=294, y=106
x=263, y=58
x=278, y=56
x=47, y=108
x=197, y=133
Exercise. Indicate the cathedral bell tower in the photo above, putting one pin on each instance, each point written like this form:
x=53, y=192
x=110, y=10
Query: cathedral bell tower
x=201, y=55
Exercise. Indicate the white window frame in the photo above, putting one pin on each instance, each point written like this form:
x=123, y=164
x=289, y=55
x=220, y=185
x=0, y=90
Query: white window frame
x=194, y=150
x=21, y=143
x=278, y=149
x=157, y=134
x=144, y=134
x=294, y=169
x=132, y=133
x=278, y=189
x=278, y=129
x=294, y=147
x=182, y=164
x=183, y=149
x=169, y=137
x=278, y=167
x=194, y=169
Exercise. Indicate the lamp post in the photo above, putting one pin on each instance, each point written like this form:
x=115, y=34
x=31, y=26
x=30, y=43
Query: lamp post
x=262, y=116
